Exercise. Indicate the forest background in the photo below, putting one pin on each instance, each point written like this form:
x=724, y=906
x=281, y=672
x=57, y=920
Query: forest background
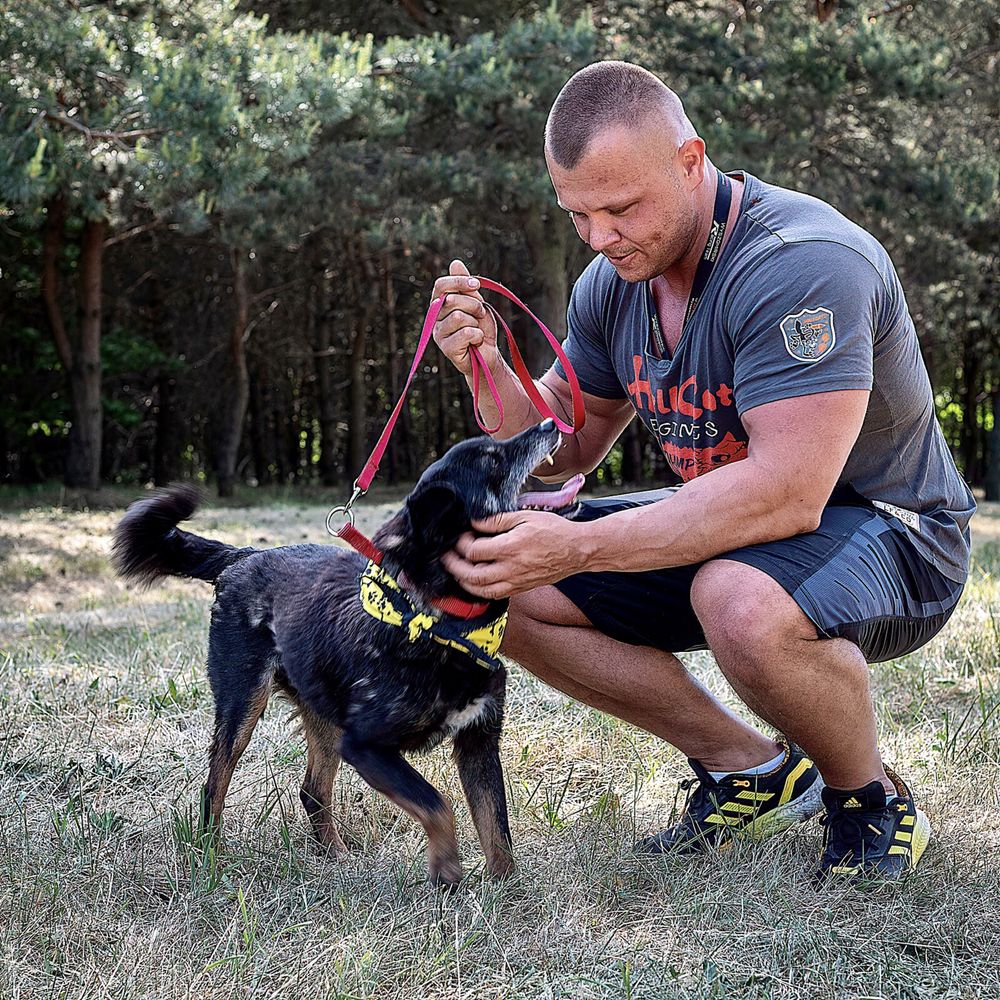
x=220, y=221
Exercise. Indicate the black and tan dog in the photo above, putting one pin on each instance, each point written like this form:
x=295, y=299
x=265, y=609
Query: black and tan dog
x=373, y=665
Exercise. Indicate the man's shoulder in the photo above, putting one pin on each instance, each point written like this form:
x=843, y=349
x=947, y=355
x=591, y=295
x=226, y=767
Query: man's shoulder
x=782, y=217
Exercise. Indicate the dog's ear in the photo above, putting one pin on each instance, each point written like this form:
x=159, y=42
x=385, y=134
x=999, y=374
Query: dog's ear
x=437, y=517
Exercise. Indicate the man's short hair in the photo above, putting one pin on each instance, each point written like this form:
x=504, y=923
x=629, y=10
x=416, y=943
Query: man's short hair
x=605, y=94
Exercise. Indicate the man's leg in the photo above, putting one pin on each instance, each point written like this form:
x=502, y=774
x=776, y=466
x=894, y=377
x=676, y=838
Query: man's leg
x=814, y=690
x=553, y=639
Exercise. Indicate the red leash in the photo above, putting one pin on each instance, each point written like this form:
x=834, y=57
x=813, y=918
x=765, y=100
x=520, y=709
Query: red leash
x=363, y=544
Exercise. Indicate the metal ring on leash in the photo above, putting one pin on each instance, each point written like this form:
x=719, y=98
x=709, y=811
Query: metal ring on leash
x=343, y=510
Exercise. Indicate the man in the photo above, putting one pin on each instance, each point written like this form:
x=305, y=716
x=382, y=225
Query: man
x=765, y=342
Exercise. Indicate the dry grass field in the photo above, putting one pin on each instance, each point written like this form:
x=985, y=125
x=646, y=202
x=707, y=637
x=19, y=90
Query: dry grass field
x=106, y=890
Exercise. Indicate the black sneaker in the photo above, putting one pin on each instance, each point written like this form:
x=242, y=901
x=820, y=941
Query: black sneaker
x=868, y=837
x=751, y=806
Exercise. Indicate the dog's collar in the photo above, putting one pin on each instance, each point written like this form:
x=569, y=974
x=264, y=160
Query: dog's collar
x=454, y=606
x=384, y=599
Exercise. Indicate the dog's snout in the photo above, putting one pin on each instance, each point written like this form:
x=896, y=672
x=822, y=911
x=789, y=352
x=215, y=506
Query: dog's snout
x=548, y=424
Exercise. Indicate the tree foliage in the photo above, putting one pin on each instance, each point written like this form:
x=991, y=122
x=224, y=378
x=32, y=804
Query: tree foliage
x=221, y=220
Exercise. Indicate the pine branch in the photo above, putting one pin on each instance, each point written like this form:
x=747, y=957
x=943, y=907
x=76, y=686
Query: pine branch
x=101, y=134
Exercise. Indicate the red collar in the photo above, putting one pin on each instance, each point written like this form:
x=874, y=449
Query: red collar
x=449, y=605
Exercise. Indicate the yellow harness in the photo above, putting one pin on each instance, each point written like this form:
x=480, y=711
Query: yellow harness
x=384, y=599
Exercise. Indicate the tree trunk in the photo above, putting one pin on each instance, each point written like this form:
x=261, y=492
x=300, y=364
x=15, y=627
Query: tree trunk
x=357, y=432
x=400, y=451
x=81, y=361
x=971, y=373
x=323, y=363
x=83, y=460
x=365, y=287
x=258, y=433
x=234, y=403
x=547, y=246
x=165, y=447
x=992, y=478
x=55, y=223
x=825, y=9
x=632, y=454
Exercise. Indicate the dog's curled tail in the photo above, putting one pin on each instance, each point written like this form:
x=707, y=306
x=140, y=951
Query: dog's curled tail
x=147, y=543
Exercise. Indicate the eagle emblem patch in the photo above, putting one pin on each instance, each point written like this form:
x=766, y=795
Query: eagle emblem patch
x=810, y=334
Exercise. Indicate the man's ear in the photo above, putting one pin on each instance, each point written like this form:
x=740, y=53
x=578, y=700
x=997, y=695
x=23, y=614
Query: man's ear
x=437, y=517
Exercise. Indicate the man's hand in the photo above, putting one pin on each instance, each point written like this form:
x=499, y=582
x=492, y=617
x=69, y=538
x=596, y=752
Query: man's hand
x=464, y=321
x=523, y=550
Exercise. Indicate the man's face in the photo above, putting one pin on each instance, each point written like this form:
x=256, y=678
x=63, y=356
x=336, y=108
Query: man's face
x=631, y=197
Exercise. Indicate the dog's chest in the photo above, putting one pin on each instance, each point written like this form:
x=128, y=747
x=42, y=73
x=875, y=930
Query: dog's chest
x=457, y=719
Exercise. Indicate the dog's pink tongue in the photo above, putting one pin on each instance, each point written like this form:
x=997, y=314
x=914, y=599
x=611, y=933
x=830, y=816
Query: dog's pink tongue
x=553, y=499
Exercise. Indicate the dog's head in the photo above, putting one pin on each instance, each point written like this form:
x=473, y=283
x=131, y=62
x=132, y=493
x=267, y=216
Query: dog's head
x=473, y=480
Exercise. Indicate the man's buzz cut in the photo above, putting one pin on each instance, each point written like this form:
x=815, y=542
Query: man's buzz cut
x=604, y=94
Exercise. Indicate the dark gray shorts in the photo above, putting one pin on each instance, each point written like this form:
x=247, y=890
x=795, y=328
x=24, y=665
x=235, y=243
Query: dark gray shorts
x=856, y=577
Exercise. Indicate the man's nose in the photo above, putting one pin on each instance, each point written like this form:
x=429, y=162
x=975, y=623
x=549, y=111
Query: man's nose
x=602, y=237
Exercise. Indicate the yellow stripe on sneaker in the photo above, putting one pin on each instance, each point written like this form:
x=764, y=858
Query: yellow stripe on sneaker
x=724, y=820
x=907, y=821
x=904, y=836
x=896, y=849
x=739, y=807
x=800, y=769
x=755, y=796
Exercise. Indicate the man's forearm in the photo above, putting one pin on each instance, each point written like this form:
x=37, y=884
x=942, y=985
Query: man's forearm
x=746, y=503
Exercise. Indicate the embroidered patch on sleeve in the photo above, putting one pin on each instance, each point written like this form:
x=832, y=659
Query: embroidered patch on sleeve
x=809, y=334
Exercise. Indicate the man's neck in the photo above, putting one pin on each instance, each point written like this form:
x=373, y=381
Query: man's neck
x=680, y=277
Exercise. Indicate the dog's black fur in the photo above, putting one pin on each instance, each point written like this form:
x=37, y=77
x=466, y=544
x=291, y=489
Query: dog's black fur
x=290, y=619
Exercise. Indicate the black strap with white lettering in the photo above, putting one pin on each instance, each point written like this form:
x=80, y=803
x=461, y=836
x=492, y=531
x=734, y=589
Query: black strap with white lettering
x=713, y=246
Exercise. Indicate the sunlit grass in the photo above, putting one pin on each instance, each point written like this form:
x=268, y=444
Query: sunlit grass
x=107, y=889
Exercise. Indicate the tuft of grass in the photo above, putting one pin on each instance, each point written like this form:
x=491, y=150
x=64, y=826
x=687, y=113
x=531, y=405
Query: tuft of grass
x=109, y=888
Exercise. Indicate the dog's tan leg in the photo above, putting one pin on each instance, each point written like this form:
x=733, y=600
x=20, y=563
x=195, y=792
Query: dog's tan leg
x=478, y=757
x=387, y=772
x=232, y=736
x=323, y=740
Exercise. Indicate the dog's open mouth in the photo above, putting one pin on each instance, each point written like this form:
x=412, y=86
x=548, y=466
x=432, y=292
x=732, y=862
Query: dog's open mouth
x=556, y=501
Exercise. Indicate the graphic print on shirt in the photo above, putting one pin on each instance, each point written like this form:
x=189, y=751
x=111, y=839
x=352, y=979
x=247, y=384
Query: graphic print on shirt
x=809, y=334
x=696, y=427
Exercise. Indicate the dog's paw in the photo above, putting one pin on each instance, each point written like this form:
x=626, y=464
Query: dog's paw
x=500, y=867
x=328, y=841
x=446, y=874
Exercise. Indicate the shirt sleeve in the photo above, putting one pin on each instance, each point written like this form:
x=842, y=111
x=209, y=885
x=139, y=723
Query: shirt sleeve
x=586, y=343
x=802, y=322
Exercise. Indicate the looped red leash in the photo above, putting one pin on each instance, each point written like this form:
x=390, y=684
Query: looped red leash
x=364, y=545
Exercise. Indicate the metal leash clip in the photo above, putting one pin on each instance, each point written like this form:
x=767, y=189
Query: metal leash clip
x=344, y=510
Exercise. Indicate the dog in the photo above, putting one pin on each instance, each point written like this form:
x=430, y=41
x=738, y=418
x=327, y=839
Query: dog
x=373, y=666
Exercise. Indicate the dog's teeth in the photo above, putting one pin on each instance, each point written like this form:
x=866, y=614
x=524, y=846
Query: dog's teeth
x=550, y=460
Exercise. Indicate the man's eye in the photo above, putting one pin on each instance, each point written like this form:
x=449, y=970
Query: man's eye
x=621, y=211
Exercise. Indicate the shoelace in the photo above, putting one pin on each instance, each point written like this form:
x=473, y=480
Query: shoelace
x=845, y=832
x=696, y=798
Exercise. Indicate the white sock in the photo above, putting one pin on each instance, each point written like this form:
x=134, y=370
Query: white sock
x=768, y=765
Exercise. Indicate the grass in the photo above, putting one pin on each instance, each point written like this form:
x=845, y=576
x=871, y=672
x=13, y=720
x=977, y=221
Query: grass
x=107, y=889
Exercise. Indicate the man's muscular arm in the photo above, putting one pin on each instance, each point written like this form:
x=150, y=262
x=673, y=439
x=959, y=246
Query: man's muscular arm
x=798, y=448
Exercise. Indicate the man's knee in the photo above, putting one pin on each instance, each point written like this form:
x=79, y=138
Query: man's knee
x=741, y=607
x=534, y=610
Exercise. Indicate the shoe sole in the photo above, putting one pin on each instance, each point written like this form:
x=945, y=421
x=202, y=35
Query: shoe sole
x=921, y=838
x=798, y=810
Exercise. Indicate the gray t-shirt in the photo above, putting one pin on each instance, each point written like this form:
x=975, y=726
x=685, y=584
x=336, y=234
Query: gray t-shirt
x=801, y=301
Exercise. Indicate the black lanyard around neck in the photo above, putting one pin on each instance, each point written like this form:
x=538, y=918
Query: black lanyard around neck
x=713, y=246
